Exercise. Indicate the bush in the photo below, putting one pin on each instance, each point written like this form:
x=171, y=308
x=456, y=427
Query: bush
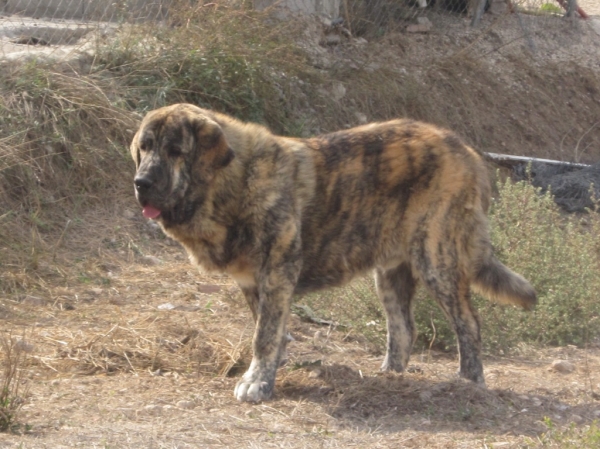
x=556, y=253
x=11, y=381
x=231, y=59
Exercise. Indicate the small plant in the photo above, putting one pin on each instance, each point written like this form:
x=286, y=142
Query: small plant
x=568, y=438
x=551, y=8
x=557, y=253
x=11, y=394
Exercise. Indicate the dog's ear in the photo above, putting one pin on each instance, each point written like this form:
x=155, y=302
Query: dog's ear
x=214, y=148
x=133, y=148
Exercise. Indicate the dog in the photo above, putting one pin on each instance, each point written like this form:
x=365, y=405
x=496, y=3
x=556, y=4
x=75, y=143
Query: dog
x=286, y=216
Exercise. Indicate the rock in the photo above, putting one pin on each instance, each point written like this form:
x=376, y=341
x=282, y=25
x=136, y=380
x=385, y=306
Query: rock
x=326, y=21
x=418, y=28
x=562, y=366
x=318, y=336
x=338, y=91
x=129, y=214
x=166, y=306
x=595, y=23
x=425, y=396
x=33, y=301
x=332, y=39
x=315, y=374
x=150, y=260
x=560, y=407
x=576, y=419
x=208, y=288
x=24, y=346
x=361, y=118
x=187, y=405
x=423, y=25
x=153, y=410
x=424, y=21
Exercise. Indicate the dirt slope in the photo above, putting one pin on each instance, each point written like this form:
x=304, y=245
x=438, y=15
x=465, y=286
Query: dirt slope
x=129, y=346
x=136, y=349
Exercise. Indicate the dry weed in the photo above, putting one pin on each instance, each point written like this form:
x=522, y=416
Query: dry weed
x=13, y=386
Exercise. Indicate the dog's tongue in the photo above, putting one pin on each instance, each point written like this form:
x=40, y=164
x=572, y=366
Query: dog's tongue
x=150, y=212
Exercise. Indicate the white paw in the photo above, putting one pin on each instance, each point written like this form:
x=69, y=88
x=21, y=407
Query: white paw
x=252, y=391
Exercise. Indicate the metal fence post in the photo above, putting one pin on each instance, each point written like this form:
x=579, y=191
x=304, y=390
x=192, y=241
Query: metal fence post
x=478, y=12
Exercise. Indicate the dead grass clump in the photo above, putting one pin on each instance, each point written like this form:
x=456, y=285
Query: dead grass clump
x=222, y=55
x=151, y=342
x=62, y=149
x=64, y=135
x=13, y=388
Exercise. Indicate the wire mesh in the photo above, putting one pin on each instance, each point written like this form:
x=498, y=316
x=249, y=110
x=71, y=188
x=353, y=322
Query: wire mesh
x=28, y=25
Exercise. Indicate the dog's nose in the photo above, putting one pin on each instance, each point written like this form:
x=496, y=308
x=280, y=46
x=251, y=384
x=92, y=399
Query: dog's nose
x=142, y=183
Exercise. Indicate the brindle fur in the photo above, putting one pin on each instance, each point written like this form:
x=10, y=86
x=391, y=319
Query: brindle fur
x=286, y=216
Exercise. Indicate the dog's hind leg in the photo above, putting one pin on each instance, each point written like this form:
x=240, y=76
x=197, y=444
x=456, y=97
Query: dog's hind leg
x=396, y=288
x=448, y=282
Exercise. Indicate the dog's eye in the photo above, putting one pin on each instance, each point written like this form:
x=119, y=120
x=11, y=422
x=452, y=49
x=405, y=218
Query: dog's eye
x=145, y=144
x=174, y=151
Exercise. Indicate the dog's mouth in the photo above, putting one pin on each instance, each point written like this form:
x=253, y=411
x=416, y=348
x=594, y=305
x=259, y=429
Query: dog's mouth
x=151, y=212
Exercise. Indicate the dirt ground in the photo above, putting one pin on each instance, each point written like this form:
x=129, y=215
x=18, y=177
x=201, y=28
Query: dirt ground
x=590, y=7
x=134, y=348
x=129, y=346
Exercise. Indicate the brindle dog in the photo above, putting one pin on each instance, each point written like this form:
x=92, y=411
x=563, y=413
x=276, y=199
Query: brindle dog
x=285, y=216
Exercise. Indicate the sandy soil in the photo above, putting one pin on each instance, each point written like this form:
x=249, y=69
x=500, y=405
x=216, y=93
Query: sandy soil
x=128, y=346
x=134, y=348
x=590, y=7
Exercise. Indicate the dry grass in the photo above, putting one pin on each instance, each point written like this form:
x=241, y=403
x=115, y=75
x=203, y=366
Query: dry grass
x=13, y=386
x=133, y=348
x=113, y=367
x=62, y=150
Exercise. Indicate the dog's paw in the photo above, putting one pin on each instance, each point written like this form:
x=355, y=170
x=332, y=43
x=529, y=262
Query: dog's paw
x=253, y=388
x=392, y=365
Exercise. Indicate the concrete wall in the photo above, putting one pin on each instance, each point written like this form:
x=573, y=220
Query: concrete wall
x=327, y=8
x=105, y=10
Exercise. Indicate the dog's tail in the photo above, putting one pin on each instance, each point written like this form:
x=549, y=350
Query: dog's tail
x=498, y=283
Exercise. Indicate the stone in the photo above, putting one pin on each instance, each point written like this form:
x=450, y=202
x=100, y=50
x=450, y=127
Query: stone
x=153, y=409
x=332, y=39
x=425, y=396
x=562, y=366
x=314, y=374
x=338, y=91
x=361, y=118
x=33, y=301
x=187, y=405
x=150, y=260
x=418, y=28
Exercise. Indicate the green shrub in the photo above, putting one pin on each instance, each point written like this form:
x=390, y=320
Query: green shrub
x=551, y=8
x=229, y=59
x=571, y=437
x=12, y=385
x=557, y=253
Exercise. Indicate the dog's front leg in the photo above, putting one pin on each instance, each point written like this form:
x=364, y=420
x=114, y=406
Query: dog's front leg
x=275, y=292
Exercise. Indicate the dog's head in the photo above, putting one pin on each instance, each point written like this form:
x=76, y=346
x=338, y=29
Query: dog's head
x=177, y=152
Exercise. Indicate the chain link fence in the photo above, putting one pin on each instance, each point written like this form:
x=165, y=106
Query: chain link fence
x=60, y=27
x=63, y=26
